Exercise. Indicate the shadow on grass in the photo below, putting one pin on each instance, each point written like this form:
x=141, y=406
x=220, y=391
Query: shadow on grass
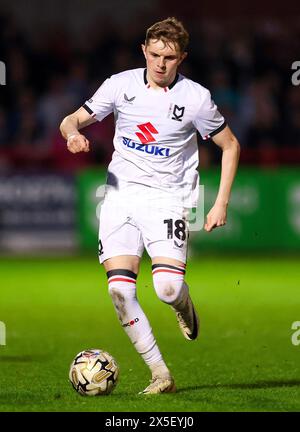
x=245, y=386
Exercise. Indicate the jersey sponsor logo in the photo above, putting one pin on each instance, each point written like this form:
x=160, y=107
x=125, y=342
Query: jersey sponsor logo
x=127, y=99
x=147, y=130
x=149, y=149
x=177, y=113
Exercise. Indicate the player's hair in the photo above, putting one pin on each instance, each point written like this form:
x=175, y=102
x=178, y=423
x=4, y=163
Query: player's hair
x=169, y=30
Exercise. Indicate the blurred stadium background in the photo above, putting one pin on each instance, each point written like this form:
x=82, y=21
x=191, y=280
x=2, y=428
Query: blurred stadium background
x=57, y=54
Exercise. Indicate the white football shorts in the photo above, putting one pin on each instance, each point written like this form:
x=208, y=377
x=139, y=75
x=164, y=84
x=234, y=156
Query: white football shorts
x=130, y=224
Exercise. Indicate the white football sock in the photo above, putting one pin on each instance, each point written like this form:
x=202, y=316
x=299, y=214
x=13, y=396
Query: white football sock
x=122, y=288
x=160, y=369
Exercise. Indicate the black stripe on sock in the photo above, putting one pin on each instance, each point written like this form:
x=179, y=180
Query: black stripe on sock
x=121, y=272
x=168, y=266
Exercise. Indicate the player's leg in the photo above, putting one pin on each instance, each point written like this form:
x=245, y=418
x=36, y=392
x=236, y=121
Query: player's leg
x=168, y=280
x=122, y=273
x=165, y=235
x=120, y=250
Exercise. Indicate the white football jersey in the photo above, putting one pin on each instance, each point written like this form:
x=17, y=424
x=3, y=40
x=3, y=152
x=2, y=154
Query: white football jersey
x=155, y=130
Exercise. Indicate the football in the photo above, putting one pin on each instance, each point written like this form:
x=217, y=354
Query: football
x=94, y=372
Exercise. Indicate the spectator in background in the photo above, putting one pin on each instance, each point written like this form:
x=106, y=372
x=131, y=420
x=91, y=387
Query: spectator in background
x=292, y=113
x=245, y=63
x=55, y=102
x=3, y=129
x=77, y=82
x=225, y=95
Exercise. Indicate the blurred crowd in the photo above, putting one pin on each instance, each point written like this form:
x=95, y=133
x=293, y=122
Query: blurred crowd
x=246, y=66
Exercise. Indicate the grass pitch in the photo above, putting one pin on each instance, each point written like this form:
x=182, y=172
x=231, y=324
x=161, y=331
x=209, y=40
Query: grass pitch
x=244, y=359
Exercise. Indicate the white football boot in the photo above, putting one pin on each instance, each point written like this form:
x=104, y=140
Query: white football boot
x=188, y=320
x=160, y=384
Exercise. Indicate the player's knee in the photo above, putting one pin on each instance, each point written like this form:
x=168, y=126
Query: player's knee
x=121, y=297
x=120, y=294
x=168, y=282
x=117, y=295
x=168, y=290
x=121, y=286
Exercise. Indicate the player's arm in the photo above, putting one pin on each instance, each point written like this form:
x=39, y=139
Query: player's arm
x=230, y=157
x=70, y=126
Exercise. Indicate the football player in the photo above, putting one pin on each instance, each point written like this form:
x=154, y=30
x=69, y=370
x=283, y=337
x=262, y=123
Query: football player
x=152, y=182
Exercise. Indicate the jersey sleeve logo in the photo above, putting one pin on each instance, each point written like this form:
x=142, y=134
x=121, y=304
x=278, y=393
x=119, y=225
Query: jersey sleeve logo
x=147, y=130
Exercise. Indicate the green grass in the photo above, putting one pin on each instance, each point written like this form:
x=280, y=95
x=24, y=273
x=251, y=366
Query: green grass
x=243, y=361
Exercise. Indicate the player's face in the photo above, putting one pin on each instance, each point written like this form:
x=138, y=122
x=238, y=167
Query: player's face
x=162, y=61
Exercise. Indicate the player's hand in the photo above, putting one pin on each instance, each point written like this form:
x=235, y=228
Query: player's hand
x=77, y=143
x=216, y=217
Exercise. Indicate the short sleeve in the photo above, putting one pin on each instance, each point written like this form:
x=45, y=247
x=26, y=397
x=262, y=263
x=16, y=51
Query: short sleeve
x=208, y=120
x=101, y=103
